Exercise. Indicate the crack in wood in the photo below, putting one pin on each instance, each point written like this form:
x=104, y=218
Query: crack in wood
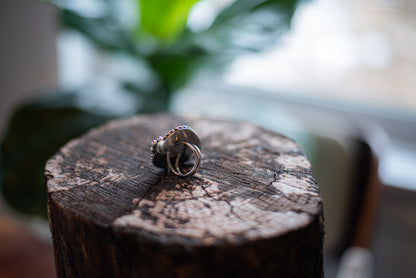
x=149, y=188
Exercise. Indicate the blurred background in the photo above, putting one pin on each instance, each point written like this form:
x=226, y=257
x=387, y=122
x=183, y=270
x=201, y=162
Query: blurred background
x=337, y=76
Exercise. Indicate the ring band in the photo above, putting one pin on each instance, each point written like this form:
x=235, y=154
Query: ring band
x=179, y=151
x=177, y=169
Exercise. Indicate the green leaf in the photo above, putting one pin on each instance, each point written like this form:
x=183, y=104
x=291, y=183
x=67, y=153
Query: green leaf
x=165, y=19
x=105, y=33
x=251, y=25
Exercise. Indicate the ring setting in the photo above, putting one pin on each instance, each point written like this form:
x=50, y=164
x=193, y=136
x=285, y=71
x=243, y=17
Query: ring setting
x=179, y=151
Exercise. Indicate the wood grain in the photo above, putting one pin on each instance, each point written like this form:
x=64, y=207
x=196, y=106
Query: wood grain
x=252, y=209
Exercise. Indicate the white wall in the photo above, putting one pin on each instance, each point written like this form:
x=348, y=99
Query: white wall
x=28, y=66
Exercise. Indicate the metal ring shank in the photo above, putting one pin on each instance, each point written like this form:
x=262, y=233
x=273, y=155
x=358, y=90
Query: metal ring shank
x=177, y=169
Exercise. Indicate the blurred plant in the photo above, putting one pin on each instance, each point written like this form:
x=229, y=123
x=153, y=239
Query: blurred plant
x=156, y=36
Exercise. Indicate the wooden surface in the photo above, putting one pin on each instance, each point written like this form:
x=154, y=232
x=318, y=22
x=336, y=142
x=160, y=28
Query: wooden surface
x=252, y=209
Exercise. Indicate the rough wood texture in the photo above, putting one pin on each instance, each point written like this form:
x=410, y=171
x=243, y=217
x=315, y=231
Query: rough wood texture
x=252, y=210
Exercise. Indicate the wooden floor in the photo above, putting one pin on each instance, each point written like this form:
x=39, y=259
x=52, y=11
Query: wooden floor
x=22, y=253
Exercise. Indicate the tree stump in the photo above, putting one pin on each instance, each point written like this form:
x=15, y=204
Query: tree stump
x=252, y=210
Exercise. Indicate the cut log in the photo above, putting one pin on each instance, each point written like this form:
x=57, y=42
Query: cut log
x=253, y=209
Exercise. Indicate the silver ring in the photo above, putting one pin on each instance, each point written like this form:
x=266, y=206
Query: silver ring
x=179, y=151
x=172, y=154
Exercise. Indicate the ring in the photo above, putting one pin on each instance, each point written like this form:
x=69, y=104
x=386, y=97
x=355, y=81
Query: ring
x=179, y=151
x=186, y=167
